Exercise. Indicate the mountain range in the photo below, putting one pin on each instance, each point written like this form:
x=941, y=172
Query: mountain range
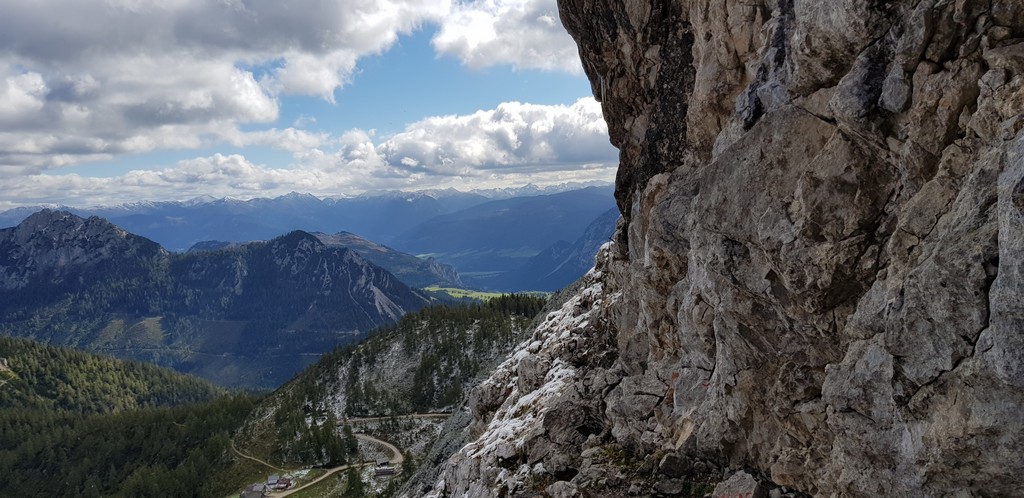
x=378, y=216
x=250, y=315
x=561, y=263
x=487, y=241
x=413, y=271
x=487, y=236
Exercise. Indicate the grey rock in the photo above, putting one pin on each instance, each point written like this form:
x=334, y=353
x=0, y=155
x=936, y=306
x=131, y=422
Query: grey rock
x=562, y=489
x=669, y=487
x=820, y=271
x=673, y=465
x=895, y=91
x=741, y=484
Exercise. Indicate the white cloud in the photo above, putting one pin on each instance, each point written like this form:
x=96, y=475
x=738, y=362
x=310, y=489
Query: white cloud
x=85, y=81
x=20, y=95
x=512, y=135
x=523, y=33
x=93, y=78
x=289, y=139
x=513, y=144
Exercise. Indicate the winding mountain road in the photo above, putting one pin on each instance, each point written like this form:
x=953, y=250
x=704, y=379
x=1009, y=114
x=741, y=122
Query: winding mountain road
x=330, y=472
x=400, y=417
x=395, y=460
x=250, y=457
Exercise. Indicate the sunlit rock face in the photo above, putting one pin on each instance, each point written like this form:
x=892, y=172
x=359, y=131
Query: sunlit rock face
x=819, y=273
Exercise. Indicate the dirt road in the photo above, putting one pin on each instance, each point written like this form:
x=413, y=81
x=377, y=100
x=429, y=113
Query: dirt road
x=400, y=417
x=257, y=460
x=330, y=472
x=397, y=459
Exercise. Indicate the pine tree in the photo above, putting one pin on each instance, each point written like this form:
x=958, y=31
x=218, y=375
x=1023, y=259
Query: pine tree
x=354, y=487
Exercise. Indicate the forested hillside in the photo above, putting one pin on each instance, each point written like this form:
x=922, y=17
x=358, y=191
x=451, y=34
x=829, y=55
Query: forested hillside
x=60, y=379
x=77, y=424
x=424, y=363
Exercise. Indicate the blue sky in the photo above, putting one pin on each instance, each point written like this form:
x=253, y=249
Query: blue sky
x=410, y=82
x=133, y=100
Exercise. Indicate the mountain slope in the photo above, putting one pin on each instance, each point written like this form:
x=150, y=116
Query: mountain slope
x=423, y=364
x=78, y=424
x=43, y=377
x=52, y=252
x=248, y=315
x=501, y=235
x=415, y=272
x=562, y=263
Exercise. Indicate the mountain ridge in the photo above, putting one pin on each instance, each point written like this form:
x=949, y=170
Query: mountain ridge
x=499, y=236
x=416, y=272
x=91, y=284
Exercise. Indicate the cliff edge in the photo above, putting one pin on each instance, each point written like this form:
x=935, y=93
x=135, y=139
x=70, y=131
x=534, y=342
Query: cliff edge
x=818, y=278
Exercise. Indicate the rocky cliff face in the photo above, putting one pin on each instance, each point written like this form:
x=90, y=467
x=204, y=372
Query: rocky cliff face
x=53, y=247
x=819, y=273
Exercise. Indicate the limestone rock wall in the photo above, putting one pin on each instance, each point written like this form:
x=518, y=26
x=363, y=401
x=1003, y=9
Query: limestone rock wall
x=819, y=274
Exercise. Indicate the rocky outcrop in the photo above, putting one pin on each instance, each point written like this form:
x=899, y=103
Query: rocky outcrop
x=54, y=247
x=818, y=274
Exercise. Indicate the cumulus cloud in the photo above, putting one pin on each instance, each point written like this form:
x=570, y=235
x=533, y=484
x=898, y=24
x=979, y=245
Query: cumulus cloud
x=513, y=144
x=523, y=33
x=512, y=135
x=20, y=96
x=85, y=81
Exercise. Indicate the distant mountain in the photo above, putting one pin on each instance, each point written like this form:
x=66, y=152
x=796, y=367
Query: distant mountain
x=378, y=216
x=179, y=225
x=411, y=270
x=562, y=263
x=383, y=216
x=414, y=271
x=531, y=190
x=211, y=245
x=249, y=315
x=498, y=236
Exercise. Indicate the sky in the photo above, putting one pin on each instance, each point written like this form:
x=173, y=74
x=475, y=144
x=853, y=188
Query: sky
x=110, y=101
